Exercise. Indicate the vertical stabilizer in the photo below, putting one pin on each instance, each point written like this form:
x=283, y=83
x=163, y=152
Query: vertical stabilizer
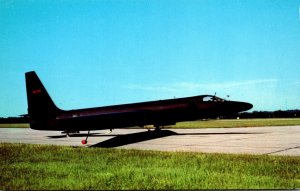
x=41, y=108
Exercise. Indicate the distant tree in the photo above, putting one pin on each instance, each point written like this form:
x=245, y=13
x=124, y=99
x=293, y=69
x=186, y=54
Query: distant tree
x=271, y=114
x=14, y=120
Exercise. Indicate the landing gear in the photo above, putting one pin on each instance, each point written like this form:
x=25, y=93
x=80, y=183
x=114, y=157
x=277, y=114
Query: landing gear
x=150, y=127
x=157, y=128
x=84, y=141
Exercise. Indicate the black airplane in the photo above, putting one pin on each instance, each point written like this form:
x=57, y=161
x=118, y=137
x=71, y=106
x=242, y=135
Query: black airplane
x=45, y=115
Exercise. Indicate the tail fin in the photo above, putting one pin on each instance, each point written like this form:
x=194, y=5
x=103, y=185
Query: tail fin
x=41, y=108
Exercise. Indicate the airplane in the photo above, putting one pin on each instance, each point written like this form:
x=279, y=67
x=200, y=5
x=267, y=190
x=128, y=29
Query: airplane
x=45, y=115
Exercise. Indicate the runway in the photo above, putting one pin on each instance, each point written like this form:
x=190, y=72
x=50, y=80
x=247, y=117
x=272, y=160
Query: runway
x=283, y=140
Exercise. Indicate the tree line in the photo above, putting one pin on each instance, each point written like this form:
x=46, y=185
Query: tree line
x=271, y=114
x=244, y=115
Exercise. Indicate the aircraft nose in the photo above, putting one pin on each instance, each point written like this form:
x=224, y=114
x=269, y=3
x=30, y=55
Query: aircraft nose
x=244, y=106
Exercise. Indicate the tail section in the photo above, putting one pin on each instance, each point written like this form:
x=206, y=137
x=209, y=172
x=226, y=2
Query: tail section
x=41, y=108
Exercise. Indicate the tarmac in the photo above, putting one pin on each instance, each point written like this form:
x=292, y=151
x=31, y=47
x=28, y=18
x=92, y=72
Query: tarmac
x=279, y=140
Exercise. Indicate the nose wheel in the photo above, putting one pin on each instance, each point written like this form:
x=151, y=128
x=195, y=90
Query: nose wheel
x=84, y=141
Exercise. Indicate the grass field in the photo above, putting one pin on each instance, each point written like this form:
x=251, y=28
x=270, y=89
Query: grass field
x=37, y=167
x=228, y=123
x=225, y=123
x=14, y=125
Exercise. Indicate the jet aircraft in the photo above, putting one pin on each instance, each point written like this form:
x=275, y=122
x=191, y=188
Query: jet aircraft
x=45, y=115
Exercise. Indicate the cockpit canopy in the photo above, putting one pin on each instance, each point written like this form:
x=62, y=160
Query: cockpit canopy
x=212, y=98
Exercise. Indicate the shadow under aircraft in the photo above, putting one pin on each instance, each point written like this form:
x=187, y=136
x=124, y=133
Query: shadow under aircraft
x=131, y=138
x=121, y=140
x=45, y=115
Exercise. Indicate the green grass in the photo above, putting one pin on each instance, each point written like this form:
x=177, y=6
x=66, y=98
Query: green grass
x=229, y=123
x=60, y=167
x=14, y=125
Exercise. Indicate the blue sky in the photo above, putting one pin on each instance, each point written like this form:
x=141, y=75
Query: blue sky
x=95, y=53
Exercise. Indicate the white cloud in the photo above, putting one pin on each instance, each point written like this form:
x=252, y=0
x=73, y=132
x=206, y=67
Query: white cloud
x=150, y=88
x=191, y=87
